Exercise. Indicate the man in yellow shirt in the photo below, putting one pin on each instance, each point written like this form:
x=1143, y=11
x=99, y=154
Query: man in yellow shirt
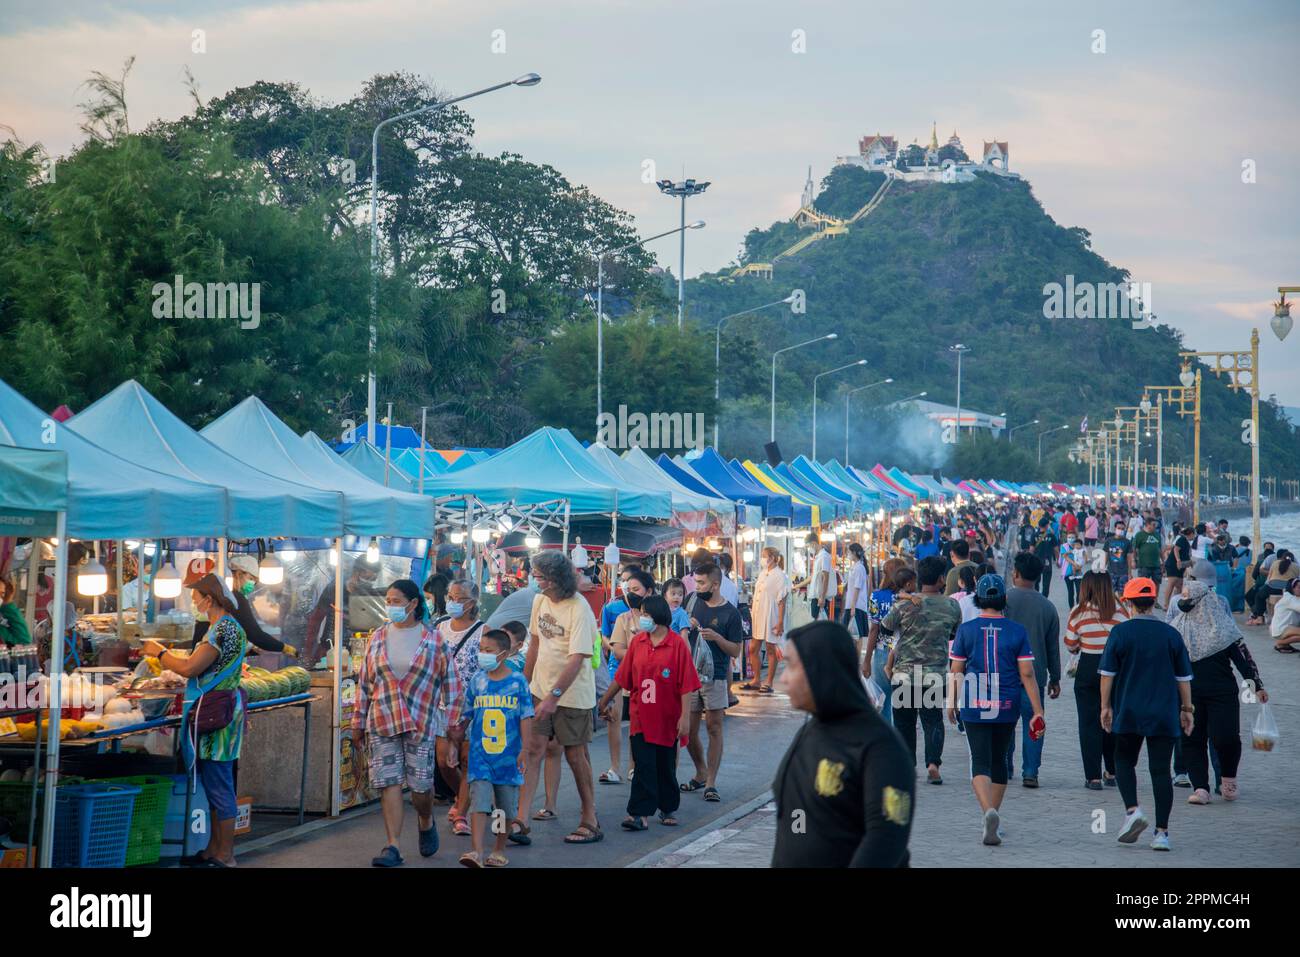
x=562, y=633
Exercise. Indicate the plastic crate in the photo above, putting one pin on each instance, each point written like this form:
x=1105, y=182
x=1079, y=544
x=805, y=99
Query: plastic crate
x=144, y=842
x=92, y=823
x=16, y=801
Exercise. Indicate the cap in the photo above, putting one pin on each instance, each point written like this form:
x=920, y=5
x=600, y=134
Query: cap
x=244, y=563
x=1203, y=571
x=1140, y=588
x=196, y=569
x=990, y=586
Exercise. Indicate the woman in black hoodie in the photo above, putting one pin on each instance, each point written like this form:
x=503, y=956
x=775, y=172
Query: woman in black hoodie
x=845, y=788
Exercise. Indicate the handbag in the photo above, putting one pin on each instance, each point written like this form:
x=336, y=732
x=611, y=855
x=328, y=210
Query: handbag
x=213, y=710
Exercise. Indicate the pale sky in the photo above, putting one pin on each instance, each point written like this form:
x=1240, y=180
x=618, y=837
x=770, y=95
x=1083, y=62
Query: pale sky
x=1142, y=145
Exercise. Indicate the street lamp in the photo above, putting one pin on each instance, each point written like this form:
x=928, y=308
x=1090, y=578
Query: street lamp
x=1040, y=440
x=528, y=79
x=1282, y=320
x=960, y=350
x=717, y=355
x=800, y=345
x=600, y=305
x=860, y=362
x=1019, y=427
x=848, y=395
x=688, y=187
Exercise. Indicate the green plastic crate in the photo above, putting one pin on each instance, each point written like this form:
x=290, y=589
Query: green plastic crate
x=16, y=801
x=144, y=843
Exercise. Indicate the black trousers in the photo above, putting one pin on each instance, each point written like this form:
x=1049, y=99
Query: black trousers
x=1072, y=591
x=1217, y=724
x=1096, y=744
x=931, y=730
x=654, y=786
x=1160, y=752
x=988, y=742
x=1259, y=604
x=1045, y=580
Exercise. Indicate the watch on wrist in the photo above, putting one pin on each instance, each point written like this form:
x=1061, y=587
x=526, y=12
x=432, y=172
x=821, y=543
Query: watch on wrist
x=1190, y=708
x=557, y=692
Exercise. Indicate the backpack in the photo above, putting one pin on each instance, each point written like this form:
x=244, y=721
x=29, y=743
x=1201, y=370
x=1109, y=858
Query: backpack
x=701, y=653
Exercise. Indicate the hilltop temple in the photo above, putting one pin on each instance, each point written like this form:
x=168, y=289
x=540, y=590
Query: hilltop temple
x=948, y=163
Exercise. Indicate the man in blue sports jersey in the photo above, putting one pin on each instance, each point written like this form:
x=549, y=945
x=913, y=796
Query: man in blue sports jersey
x=500, y=710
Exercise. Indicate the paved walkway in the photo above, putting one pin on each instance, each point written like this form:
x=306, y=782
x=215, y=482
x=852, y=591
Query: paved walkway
x=1061, y=824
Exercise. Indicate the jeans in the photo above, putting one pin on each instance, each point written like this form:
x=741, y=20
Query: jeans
x=878, y=658
x=931, y=731
x=1033, y=749
x=1096, y=745
x=1159, y=752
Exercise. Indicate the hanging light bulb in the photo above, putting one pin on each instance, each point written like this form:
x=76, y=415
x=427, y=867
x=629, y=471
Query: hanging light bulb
x=748, y=556
x=167, y=583
x=289, y=554
x=481, y=535
x=533, y=542
x=92, y=579
x=372, y=551
x=150, y=548
x=714, y=545
x=457, y=538
x=506, y=526
x=334, y=556
x=270, y=571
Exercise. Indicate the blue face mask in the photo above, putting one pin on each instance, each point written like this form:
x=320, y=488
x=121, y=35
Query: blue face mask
x=487, y=661
x=532, y=584
x=396, y=613
x=455, y=608
x=646, y=623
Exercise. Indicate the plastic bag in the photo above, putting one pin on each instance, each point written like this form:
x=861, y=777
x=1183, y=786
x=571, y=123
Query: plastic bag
x=1264, y=735
x=875, y=693
x=1073, y=665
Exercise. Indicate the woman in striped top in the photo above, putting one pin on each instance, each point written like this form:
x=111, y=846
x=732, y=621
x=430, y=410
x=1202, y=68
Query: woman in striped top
x=1086, y=632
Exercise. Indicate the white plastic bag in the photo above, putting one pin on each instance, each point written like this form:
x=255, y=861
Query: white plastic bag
x=1073, y=665
x=875, y=693
x=1264, y=735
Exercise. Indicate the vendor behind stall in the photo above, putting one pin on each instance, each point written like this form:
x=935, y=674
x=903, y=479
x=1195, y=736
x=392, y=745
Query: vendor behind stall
x=13, y=627
x=243, y=571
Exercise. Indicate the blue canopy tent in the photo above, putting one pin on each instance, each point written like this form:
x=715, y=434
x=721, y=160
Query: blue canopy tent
x=895, y=498
x=694, y=512
x=403, y=437
x=905, y=481
x=710, y=467
x=877, y=496
x=820, y=473
x=469, y=459
x=551, y=464
x=655, y=477
x=133, y=424
x=369, y=461
x=409, y=462
x=806, y=475
x=252, y=432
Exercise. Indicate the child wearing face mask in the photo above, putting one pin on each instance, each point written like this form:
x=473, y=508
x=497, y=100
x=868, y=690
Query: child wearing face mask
x=500, y=710
x=1073, y=560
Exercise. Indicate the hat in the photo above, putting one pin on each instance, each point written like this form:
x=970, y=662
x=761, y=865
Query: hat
x=1140, y=588
x=990, y=586
x=1203, y=571
x=244, y=563
x=196, y=569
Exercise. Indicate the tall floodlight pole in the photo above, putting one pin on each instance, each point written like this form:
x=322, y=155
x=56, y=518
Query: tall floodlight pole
x=600, y=307
x=528, y=79
x=851, y=365
x=717, y=356
x=960, y=350
x=799, y=345
x=687, y=187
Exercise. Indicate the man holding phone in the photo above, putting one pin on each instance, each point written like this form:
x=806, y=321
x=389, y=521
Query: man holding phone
x=717, y=621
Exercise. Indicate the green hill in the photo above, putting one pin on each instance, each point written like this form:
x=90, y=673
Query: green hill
x=934, y=265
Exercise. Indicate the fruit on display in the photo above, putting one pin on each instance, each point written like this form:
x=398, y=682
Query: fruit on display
x=263, y=685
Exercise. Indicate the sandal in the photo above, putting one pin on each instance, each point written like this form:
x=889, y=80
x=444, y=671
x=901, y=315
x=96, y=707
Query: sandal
x=460, y=827
x=545, y=814
x=692, y=785
x=496, y=860
x=519, y=833
x=749, y=686
x=634, y=824
x=609, y=777
x=471, y=859
x=1285, y=649
x=766, y=689
x=667, y=820
x=711, y=794
x=584, y=834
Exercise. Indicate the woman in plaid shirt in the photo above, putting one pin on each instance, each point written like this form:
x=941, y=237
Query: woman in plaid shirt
x=406, y=673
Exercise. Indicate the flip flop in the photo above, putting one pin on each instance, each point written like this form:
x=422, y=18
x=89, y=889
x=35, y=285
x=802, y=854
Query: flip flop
x=519, y=833
x=1285, y=649
x=691, y=785
x=586, y=835
x=711, y=794
x=496, y=860
x=748, y=686
x=766, y=689
x=545, y=814
x=471, y=859
x=609, y=777
x=633, y=824
x=667, y=820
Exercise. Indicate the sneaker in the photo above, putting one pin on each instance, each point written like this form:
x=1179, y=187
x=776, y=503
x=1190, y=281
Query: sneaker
x=1182, y=781
x=1229, y=789
x=1161, y=841
x=1094, y=785
x=991, y=822
x=1199, y=796
x=1110, y=781
x=1134, y=824
x=1030, y=781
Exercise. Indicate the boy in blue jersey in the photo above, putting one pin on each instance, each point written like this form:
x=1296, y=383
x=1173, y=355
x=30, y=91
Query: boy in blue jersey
x=500, y=710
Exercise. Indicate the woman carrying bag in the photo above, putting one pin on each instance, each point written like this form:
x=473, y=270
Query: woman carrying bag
x=212, y=723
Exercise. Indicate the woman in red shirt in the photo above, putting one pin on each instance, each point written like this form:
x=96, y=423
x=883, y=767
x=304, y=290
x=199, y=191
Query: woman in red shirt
x=659, y=675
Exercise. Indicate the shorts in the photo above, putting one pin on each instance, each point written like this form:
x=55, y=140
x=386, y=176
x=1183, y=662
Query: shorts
x=568, y=726
x=484, y=797
x=219, y=783
x=711, y=697
x=401, y=758
x=1151, y=573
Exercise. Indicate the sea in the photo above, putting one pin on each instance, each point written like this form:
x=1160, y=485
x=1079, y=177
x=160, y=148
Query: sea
x=1282, y=529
